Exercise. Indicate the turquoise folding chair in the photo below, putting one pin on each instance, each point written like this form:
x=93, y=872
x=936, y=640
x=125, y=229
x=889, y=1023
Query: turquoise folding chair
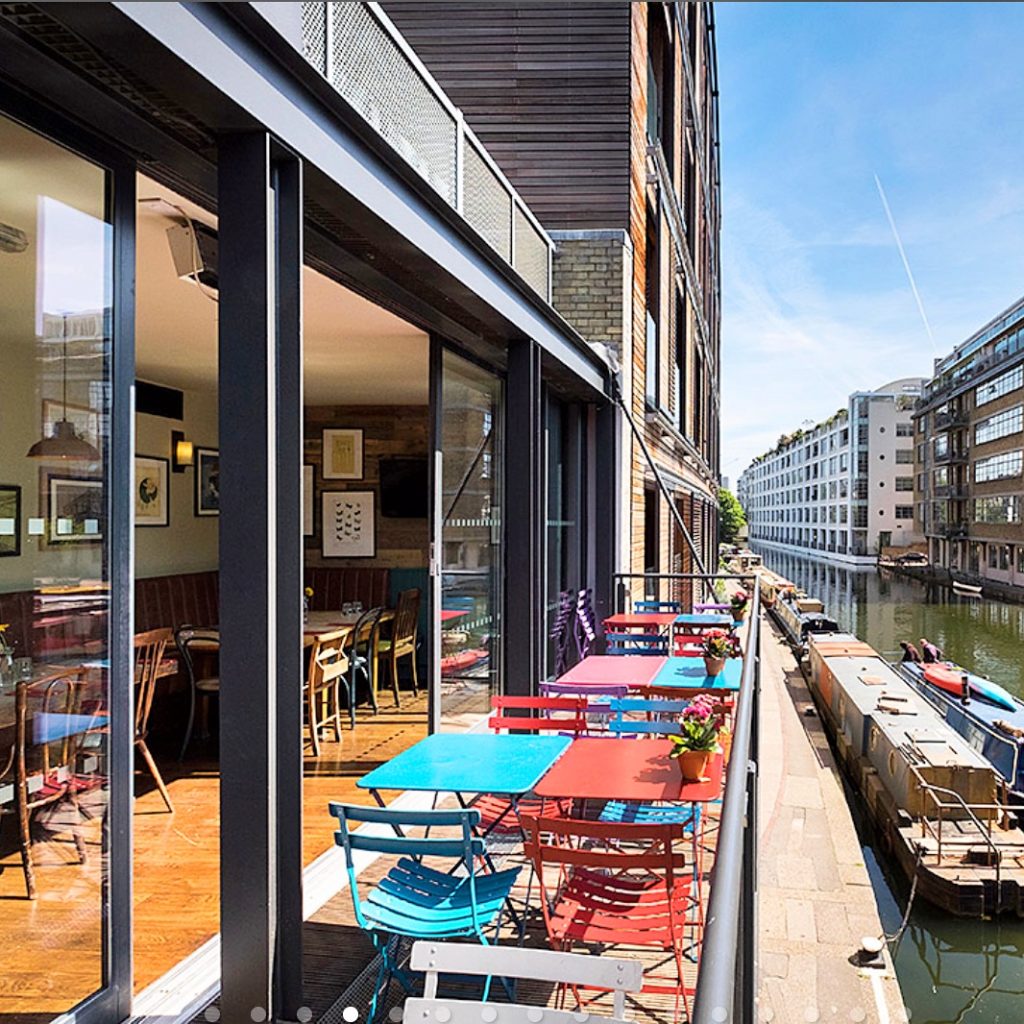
x=657, y=606
x=413, y=900
x=651, y=725
x=636, y=643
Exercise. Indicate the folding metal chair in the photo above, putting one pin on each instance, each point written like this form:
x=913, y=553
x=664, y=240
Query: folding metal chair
x=412, y=899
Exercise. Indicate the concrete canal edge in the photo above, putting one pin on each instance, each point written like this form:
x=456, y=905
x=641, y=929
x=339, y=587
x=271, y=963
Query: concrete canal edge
x=815, y=899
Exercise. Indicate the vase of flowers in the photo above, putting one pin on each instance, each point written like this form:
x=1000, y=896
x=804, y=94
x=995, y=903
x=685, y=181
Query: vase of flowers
x=717, y=646
x=739, y=602
x=697, y=739
x=307, y=596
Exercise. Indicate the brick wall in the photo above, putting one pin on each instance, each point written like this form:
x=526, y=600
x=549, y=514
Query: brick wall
x=587, y=283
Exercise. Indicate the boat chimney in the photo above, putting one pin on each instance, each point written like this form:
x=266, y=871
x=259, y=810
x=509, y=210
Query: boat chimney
x=965, y=689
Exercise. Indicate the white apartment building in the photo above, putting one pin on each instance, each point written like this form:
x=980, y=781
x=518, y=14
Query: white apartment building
x=844, y=488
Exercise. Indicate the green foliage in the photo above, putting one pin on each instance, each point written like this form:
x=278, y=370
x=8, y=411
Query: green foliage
x=731, y=517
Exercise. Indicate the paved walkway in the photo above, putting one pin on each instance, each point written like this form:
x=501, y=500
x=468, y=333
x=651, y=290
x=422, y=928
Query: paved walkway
x=815, y=898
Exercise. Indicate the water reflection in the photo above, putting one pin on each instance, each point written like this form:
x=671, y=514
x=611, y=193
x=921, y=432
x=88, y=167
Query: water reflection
x=951, y=971
x=883, y=608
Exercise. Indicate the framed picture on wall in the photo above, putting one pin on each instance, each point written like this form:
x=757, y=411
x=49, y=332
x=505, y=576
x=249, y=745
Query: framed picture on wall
x=207, y=463
x=308, y=524
x=152, y=494
x=10, y=520
x=347, y=524
x=75, y=509
x=342, y=455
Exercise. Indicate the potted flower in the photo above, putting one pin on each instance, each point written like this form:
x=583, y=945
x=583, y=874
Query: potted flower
x=738, y=602
x=697, y=739
x=307, y=596
x=716, y=646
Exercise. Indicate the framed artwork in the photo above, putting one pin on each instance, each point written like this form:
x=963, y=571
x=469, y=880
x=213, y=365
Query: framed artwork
x=342, y=455
x=75, y=509
x=152, y=483
x=10, y=520
x=85, y=421
x=347, y=524
x=308, y=516
x=207, y=465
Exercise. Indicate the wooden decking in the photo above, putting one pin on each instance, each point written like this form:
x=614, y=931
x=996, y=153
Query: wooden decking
x=51, y=946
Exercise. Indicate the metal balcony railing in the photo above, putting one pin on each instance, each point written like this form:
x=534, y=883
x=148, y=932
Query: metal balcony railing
x=361, y=53
x=955, y=491
x=946, y=420
x=957, y=529
x=727, y=976
x=952, y=456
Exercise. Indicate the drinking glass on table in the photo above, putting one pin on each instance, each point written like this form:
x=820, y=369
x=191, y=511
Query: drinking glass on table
x=346, y=608
x=357, y=607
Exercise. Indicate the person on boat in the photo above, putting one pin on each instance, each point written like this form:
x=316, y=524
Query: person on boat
x=932, y=655
x=910, y=653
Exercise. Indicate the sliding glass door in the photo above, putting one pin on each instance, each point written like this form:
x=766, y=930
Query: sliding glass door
x=468, y=546
x=64, y=551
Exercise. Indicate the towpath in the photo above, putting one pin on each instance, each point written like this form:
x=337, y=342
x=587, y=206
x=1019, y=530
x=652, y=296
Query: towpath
x=815, y=897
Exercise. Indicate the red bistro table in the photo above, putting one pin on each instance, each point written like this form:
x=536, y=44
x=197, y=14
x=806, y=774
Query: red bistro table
x=635, y=670
x=635, y=771
x=640, y=620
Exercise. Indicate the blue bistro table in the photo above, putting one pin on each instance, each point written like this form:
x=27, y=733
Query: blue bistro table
x=705, y=620
x=469, y=763
x=690, y=674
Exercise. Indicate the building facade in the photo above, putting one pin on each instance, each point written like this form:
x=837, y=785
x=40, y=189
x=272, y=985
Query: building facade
x=842, y=489
x=605, y=118
x=273, y=318
x=969, y=452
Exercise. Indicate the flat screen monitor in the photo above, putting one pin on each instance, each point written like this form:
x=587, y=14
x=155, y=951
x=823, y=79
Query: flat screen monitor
x=403, y=488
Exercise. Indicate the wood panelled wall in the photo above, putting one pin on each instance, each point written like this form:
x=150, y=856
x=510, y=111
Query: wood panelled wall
x=546, y=88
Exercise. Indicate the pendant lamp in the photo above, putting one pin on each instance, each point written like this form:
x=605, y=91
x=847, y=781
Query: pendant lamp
x=64, y=443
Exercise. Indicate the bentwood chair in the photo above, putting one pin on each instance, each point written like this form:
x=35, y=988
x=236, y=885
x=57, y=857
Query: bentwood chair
x=197, y=648
x=149, y=655
x=358, y=649
x=328, y=668
x=414, y=900
x=402, y=642
x=618, y=975
x=40, y=765
x=606, y=884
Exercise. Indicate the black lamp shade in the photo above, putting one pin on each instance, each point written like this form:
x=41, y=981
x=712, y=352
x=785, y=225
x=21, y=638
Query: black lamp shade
x=64, y=444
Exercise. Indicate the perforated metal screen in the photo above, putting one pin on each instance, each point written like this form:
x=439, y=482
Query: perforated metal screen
x=531, y=254
x=373, y=74
x=314, y=35
x=486, y=203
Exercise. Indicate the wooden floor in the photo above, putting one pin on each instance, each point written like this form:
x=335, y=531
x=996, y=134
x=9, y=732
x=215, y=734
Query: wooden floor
x=51, y=946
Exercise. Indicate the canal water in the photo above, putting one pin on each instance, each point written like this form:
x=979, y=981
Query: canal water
x=951, y=971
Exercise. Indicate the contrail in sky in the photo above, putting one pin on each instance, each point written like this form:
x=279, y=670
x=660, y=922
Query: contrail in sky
x=906, y=262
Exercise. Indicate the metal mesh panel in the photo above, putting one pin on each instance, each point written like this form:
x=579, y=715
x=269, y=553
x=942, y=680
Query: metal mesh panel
x=486, y=203
x=531, y=254
x=373, y=74
x=314, y=35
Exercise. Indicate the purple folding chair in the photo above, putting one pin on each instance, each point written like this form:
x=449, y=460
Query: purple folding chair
x=598, y=712
x=560, y=632
x=586, y=633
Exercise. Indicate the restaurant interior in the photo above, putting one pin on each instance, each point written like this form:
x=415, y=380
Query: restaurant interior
x=372, y=607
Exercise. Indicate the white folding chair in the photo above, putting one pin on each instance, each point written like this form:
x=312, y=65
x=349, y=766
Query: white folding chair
x=616, y=974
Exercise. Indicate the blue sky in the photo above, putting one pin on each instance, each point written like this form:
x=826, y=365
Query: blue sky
x=816, y=99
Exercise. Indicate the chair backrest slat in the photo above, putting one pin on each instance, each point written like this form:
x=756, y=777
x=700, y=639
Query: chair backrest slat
x=657, y=606
x=416, y=1010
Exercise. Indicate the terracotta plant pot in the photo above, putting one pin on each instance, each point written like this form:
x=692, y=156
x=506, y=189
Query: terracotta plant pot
x=713, y=666
x=692, y=764
x=739, y=616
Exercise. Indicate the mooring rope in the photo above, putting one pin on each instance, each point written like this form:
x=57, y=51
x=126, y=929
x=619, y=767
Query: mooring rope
x=894, y=939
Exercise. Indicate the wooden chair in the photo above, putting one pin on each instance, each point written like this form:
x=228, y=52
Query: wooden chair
x=149, y=654
x=617, y=975
x=402, y=642
x=607, y=884
x=328, y=668
x=203, y=688
x=40, y=767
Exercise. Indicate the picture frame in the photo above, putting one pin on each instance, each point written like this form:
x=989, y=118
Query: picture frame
x=342, y=454
x=152, y=491
x=75, y=508
x=10, y=520
x=308, y=502
x=207, y=482
x=348, y=525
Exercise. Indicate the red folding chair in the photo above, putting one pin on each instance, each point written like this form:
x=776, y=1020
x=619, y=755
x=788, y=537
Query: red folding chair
x=615, y=885
x=549, y=714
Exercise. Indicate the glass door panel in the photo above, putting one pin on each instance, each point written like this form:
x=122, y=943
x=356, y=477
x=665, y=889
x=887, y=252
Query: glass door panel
x=470, y=555
x=55, y=544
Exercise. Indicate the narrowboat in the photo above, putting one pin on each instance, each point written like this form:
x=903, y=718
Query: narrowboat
x=799, y=616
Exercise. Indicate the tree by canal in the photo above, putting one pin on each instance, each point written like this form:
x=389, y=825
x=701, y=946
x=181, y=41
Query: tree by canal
x=731, y=517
